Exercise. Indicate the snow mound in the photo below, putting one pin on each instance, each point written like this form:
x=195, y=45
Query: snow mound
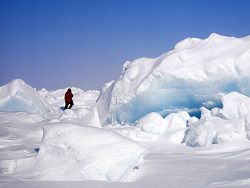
x=71, y=152
x=19, y=96
x=196, y=72
x=152, y=123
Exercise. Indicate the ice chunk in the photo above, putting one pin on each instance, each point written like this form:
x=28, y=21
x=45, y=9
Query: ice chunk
x=177, y=121
x=176, y=126
x=221, y=125
x=19, y=96
x=205, y=113
x=214, y=130
x=235, y=105
x=192, y=120
x=217, y=112
x=200, y=133
x=71, y=152
x=152, y=123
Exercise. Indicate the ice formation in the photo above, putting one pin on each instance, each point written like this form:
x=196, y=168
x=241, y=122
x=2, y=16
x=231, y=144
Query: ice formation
x=19, y=96
x=195, y=74
x=227, y=124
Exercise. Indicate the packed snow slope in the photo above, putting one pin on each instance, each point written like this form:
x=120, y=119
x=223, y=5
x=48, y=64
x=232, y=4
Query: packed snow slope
x=192, y=75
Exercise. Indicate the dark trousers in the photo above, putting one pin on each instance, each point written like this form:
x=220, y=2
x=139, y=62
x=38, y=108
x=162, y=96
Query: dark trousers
x=68, y=105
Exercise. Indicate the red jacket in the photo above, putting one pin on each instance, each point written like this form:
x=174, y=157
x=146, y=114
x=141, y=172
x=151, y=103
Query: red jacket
x=68, y=97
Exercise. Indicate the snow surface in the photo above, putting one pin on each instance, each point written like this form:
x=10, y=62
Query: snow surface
x=170, y=121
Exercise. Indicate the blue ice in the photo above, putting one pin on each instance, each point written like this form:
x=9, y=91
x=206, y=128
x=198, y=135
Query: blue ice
x=166, y=97
x=15, y=104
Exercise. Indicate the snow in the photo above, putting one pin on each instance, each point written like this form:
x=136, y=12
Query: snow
x=221, y=125
x=72, y=152
x=235, y=105
x=152, y=123
x=176, y=126
x=215, y=131
x=231, y=123
x=177, y=120
x=195, y=73
x=181, y=119
x=192, y=120
x=83, y=100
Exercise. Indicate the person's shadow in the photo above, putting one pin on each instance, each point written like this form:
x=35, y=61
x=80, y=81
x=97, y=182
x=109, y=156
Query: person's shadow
x=62, y=108
x=36, y=150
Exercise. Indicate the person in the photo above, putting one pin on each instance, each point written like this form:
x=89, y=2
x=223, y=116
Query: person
x=68, y=99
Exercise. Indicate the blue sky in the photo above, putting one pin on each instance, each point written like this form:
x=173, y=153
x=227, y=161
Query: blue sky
x=84, y=43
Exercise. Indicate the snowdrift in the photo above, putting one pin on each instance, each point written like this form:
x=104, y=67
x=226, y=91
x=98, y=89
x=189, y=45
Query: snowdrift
x=194, y=74
x=18, y=96
x=71, y=152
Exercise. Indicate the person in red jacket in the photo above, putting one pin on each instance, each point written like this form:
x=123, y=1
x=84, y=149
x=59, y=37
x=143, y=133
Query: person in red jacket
x=68, y=99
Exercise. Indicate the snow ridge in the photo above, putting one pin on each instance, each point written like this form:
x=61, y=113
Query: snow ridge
x=196, y=70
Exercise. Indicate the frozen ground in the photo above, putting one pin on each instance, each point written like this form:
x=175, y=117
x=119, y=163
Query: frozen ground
x=129, y=135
